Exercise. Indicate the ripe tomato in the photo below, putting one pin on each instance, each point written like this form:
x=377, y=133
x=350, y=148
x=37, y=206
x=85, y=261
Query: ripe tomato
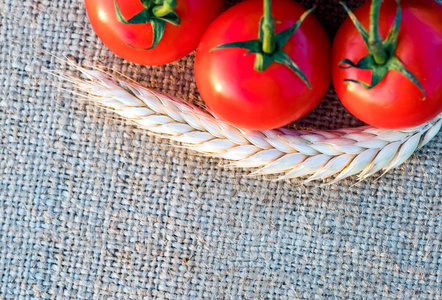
x=396, y=102
x=127, y=40
x=258, y=100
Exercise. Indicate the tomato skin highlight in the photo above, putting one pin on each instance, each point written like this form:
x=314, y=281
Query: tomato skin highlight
x=177, y=42
x=395, y=102
x=254, y=100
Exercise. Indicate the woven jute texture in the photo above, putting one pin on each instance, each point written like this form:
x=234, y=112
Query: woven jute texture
x=91, y=207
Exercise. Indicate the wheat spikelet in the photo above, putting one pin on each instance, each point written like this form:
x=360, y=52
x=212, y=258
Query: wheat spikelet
x=319, y=154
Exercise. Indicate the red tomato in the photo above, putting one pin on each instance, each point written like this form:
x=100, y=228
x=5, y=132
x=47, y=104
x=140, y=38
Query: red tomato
x=177, y=42
x=250, y=99
x=395, y=102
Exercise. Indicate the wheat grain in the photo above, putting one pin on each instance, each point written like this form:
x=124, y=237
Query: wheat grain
x=285, y=152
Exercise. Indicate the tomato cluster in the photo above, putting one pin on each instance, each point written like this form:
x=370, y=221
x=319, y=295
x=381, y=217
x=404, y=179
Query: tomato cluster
x=261, y=65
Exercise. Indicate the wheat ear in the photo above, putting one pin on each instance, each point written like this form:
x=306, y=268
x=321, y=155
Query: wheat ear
x=288, y=153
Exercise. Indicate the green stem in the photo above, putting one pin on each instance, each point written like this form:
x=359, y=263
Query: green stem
x=379, y=54
x=268, y=28
x=167, y=7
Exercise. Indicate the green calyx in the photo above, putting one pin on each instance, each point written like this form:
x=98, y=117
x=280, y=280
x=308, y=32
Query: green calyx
x=381, y=57
x=268, y=46
x=155, y=12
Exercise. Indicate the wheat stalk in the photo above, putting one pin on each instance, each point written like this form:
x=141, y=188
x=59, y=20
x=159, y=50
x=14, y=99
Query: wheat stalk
x=286, y=152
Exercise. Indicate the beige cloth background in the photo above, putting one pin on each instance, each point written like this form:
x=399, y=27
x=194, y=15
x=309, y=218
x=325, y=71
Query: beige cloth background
x=92, y=207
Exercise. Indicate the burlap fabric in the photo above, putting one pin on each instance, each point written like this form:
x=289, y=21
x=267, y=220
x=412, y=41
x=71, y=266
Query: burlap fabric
x=92, y=207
